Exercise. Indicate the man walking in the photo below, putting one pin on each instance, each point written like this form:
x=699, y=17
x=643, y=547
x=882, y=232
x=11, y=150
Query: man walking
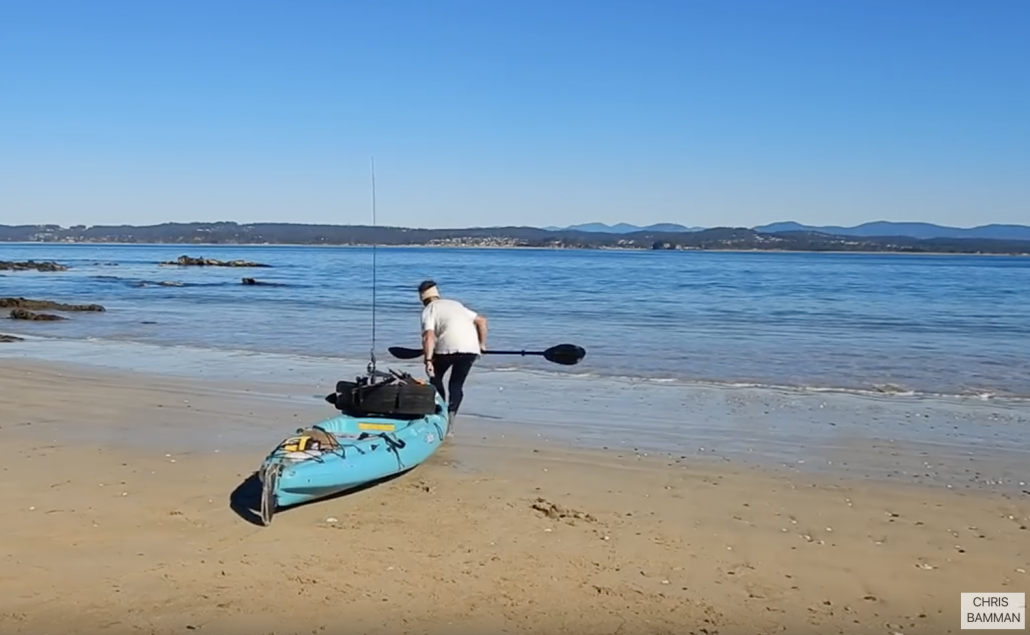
x=453, y=336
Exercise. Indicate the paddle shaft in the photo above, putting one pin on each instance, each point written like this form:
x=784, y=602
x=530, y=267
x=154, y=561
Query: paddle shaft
x=565, y=354
x=412, y=353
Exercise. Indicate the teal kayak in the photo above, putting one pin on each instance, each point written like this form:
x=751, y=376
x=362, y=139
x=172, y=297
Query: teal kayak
x=346, y=452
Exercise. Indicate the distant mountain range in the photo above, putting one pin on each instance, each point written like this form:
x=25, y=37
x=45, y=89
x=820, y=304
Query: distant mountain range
x=865, y=230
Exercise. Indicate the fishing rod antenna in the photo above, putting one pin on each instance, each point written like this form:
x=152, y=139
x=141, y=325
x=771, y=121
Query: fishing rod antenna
x=372, y=351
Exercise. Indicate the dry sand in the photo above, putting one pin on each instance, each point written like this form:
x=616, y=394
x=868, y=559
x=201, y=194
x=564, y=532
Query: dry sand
x=104, y=533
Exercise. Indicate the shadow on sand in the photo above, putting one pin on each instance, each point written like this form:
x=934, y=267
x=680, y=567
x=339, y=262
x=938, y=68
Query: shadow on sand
x=245, y=500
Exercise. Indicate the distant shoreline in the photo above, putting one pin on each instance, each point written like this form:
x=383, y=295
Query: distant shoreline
x=737, y=239
x=187, y=246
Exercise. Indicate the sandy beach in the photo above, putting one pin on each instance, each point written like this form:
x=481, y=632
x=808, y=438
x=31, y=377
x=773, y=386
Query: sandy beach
x=128, y=511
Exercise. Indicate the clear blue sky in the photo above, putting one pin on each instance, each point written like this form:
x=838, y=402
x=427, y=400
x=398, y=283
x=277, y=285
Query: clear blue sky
x=536, y=112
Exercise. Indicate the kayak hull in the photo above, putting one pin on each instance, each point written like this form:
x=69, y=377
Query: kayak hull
x=350, y=452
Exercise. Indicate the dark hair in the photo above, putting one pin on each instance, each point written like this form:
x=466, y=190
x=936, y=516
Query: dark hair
x=426, y=284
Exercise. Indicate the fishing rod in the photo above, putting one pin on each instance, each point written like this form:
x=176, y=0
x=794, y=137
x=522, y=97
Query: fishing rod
x=372, y=351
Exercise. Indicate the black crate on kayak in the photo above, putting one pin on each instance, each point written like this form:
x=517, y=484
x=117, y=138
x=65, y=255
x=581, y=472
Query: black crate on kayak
x=401, y=396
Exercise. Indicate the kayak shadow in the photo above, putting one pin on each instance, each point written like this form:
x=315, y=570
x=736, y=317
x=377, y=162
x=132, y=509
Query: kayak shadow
x=245, y=500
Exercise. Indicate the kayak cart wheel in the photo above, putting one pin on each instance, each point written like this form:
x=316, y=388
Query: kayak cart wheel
x=269, y=484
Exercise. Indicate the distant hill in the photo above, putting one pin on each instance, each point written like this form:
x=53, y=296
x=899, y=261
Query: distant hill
x=625, y=228
x=909, y=230
x=885, y=229
x=715, y=238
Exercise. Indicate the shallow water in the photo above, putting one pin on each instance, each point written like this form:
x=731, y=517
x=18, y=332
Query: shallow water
x=929, y=324
x=953, y=442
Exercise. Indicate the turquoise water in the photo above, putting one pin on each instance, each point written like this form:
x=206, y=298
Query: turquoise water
x=955, y=325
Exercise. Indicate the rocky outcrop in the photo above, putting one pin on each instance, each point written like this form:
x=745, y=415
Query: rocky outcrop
x=188, y=261
x=25, y=314
x=7, y=339
x=30, y=265
x=38, y=305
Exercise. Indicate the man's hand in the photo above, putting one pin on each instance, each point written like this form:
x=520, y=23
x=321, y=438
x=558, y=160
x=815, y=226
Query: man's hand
x=430, y=371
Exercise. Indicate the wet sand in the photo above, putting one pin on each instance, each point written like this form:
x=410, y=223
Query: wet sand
x=127, y=497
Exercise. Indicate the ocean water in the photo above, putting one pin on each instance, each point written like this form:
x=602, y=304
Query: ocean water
x=934, y=325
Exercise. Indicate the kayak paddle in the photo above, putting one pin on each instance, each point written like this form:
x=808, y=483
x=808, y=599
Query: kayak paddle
x=564, y=354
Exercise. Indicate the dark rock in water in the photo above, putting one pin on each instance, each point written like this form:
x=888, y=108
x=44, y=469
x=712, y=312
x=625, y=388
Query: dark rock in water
x=25, y=314
x=7, y=339
x=262, y=283
x=24, y=303
x=29, y=265
x=187, y=261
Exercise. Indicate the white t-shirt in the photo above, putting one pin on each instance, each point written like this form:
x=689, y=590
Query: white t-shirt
x=452, y=323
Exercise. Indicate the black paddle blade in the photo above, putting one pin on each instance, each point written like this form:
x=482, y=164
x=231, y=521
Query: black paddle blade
x=405, y=353
x=565, y=354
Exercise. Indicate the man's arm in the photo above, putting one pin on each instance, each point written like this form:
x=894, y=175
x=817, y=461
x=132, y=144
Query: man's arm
x=428, y=344
x=481, y=330
x=428, y=333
